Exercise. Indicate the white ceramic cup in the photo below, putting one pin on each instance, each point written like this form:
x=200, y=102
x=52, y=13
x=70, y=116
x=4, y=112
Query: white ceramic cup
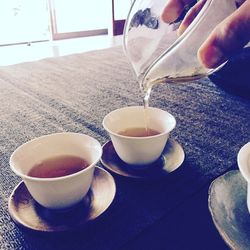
x=139, y=150
x=243, y=160
x=58, y=192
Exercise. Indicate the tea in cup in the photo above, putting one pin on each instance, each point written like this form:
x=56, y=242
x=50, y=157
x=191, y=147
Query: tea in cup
x=57, y=169
x=139, y=135
x=243, y=160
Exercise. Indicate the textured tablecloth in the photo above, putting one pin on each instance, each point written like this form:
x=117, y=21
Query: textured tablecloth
x=74, y=93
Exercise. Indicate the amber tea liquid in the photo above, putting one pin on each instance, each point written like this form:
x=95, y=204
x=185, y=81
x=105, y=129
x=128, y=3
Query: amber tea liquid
x=58, y=166
x=139, y=132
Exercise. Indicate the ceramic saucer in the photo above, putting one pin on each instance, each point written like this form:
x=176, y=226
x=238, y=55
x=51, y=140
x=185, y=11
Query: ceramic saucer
x=28, y=213
x=228, y=207
x=172, y=157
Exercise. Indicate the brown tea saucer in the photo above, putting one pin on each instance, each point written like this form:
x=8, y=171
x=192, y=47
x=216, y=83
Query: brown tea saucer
x=25, y=211
x=172, y=157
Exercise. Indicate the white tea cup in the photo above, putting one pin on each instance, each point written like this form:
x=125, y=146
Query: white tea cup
x=57, y=192
x=139, y=150
x=243, y=160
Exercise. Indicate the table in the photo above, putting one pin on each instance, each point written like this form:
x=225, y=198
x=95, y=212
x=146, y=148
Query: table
x=74, y=93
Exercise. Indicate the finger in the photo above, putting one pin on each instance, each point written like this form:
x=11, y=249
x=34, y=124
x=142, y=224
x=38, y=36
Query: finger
x=173, y=10
x=227, y=38
x=190, y=16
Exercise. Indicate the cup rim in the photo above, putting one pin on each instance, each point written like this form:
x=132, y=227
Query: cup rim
x=133, y=137
x=243, y=151
x=25, y=176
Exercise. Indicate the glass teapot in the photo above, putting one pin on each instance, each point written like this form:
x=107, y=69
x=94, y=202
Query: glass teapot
x=154, y=48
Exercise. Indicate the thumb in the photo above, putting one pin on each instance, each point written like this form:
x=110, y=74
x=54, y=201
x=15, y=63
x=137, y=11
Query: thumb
x=227, y=38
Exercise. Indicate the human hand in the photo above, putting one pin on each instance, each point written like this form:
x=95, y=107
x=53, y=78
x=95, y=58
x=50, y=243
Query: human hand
x=232, y=34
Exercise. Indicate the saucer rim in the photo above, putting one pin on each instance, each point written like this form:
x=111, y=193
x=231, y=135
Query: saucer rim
x=223, y=234
x=17, y=220
x=138, y=177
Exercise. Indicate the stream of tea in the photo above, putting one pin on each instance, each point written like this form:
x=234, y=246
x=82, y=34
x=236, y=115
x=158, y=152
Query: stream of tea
x=146, y=98
x=147, y=88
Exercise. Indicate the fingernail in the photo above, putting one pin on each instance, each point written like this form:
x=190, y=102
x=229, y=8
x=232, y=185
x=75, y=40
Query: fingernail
x=211, y=56
x=181, y=30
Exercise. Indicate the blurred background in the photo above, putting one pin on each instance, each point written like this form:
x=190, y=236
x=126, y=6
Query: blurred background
x=28, y=22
